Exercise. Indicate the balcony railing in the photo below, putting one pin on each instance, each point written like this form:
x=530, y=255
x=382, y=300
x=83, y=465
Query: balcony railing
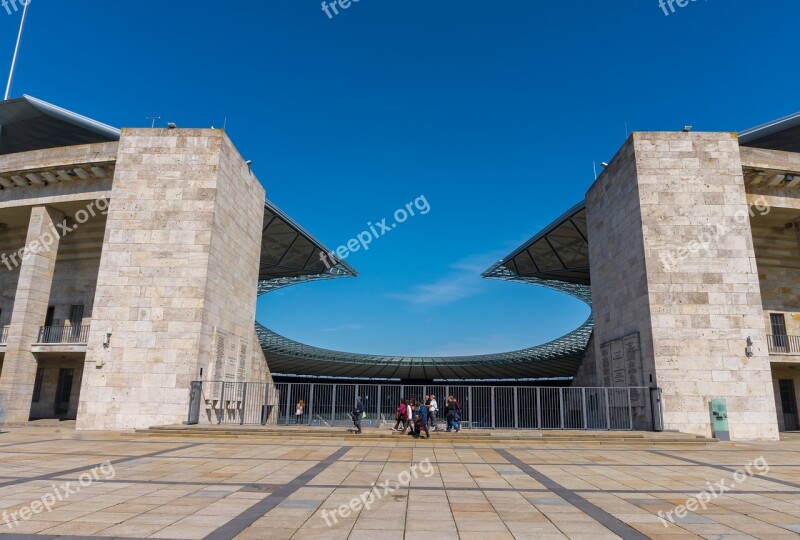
x=782, y=344
x=63, y=334
x=3, y=334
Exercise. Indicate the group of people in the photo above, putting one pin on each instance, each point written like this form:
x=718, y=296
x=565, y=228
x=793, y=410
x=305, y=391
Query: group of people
x=414, y=415
x=418, y=415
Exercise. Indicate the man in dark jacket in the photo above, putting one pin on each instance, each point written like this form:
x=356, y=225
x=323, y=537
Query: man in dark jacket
x=358, y=412
x=422, y=418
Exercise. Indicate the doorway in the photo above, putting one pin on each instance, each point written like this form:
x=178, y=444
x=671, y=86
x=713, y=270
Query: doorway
x=788, y=404
x=63, y=391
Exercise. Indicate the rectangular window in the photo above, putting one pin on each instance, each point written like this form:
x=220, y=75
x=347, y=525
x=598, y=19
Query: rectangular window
x=780, y=341
x=778, y=322
x=75, y=320
x=48, y=319
x=37, y=385
x=76, y=315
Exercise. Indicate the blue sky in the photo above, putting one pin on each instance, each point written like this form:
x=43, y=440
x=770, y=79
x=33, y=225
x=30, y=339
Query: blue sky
x=494, y=112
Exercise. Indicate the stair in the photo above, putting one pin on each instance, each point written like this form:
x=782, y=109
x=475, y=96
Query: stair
x=465, y=436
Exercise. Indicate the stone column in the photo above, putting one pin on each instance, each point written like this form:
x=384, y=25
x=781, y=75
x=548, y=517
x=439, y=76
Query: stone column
x=180, y=264
x=30, y=308
x=672, y=258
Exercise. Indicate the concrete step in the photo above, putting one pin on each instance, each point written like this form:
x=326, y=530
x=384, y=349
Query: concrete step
x=471, y=436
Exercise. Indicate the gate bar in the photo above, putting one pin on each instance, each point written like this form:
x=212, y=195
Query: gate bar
x=310, y=404
x=493, y=407
x=516, y=409
x=585, y=412
x=288, y=401
x=630, y=410
x=222, y=403
x=243, y=406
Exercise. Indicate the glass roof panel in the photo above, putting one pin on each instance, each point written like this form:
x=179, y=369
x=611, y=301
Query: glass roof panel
x=570, y=246
x=525, y=264
x=545, y=257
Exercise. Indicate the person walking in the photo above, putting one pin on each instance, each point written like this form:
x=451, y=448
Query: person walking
x=450, y=413
x=400, y=416
x=457, y=417
x=433, y=412
x=298, y=411
x=411, y=416
x=422, y=419
x=453, y=414
x=407, y=417
x=357, y=414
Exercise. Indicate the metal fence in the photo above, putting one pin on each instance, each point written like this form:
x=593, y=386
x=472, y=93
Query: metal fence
x=64, y=334
x=783, y=344
x=500, y=407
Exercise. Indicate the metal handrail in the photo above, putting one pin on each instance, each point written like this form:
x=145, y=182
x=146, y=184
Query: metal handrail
x=64, y=334
x=4, y=334
x=506, y=407
x=783, y=344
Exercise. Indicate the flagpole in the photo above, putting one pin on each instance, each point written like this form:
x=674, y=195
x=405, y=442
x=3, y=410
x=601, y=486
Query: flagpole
x=16, y=49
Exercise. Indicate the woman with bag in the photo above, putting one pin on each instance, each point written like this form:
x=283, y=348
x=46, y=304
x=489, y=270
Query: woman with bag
x=457, y=417
x=298, y=411
x=453, y=414
x=400, y=416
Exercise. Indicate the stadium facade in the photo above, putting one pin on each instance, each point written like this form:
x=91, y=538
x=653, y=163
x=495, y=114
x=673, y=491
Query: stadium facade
x=131, y=260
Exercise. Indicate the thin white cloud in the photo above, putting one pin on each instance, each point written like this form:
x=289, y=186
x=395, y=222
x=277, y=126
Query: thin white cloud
x=462, y=281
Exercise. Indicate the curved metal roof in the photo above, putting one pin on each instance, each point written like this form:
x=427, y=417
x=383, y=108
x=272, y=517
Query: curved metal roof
x=781, y=134
x=558, y=260
x=28, y=123
x=559, y=252
x=289, y=254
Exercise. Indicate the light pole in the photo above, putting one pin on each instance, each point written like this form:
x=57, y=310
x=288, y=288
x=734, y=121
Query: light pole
x=16, y=49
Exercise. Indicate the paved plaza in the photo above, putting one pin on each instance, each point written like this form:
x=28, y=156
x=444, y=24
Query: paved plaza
x=138, y=486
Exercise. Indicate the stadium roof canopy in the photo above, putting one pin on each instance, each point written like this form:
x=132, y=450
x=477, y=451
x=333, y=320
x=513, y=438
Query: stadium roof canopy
x=28, y=123
x=566, y=241
x=781, y=134
x=560, y=252
x=290, y=255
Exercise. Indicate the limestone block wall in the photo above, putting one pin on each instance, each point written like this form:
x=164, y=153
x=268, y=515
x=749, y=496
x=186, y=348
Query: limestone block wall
x=11, y=240
x=587, y=374
x=28, y=314
x=778, y=286
x=89, y=155
x=686, y=257
x=179, y=258
x=259, y=370
x=234, y=256
x=778, y=260
x=247, y=364
x=75, y=274
x=620, y=301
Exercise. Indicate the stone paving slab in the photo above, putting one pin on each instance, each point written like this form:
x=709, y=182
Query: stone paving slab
x=67, y=484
